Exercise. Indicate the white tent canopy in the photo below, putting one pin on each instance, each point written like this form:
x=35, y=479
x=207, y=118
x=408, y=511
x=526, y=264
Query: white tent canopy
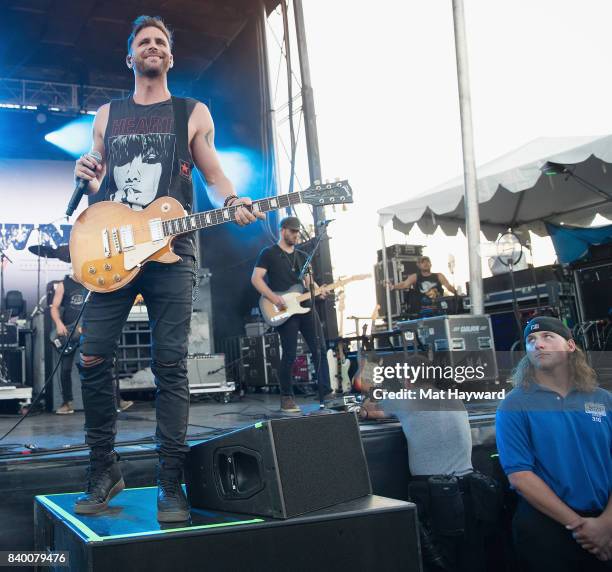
x=514, y=193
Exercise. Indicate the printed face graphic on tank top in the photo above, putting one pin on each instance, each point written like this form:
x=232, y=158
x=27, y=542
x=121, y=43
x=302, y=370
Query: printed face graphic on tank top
x=426, y=286
x=138, y=163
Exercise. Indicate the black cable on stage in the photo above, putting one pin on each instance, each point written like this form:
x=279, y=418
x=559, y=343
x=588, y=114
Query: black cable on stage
x=50, y=378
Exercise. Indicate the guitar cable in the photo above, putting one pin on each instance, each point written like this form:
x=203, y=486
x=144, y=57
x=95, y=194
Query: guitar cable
x=52, y=374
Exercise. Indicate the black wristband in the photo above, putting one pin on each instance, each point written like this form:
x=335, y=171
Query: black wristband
x=228, y=199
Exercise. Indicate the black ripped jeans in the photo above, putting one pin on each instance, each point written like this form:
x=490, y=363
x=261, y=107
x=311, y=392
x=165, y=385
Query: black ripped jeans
x=167, y=292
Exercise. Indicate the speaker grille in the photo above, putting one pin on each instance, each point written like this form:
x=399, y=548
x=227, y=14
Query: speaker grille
x=320, y=461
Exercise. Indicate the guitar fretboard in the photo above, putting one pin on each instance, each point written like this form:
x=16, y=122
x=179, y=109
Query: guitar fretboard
x=214, y=217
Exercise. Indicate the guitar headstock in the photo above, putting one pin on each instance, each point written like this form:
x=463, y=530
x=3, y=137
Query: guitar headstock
x=354, y=278
x=328, y=193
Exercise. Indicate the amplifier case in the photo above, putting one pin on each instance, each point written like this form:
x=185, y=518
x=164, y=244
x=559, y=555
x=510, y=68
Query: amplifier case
x=9, y=335
x=463, y=340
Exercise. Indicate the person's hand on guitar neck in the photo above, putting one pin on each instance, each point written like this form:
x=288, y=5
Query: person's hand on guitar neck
x=243, y=215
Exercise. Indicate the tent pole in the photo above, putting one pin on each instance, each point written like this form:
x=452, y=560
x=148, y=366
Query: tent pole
x=314, y=164
x=386, y=276
x=472, y=215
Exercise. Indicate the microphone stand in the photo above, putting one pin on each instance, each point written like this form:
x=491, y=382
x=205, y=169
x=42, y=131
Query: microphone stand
x=307, y=270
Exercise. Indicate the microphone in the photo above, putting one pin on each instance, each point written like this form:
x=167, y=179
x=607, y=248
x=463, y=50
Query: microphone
x=81, y=186
x=325, y=222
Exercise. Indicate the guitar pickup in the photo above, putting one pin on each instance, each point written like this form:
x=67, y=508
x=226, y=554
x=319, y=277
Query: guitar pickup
x=156, y=230
x=116, y=241
x=126, y=235
x=106, y=244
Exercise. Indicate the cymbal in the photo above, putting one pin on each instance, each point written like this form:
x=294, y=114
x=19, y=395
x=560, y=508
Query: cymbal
x=62, y=252
x=43, y=250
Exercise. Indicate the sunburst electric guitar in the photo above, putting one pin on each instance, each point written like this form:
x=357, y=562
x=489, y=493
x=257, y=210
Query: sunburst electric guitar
x=110, y=243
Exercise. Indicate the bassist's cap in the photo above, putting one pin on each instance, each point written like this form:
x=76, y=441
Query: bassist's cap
x=291, y=222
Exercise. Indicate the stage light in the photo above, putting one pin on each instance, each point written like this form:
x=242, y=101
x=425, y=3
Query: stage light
x=74, y=137
x=238, y=166
x=242, y=167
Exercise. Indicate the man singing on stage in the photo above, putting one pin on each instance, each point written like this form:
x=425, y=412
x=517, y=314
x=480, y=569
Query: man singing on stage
x=148, y=142
x=277, y=269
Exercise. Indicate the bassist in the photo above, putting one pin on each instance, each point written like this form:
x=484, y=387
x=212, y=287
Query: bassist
x=69, y=297
x=277, y=269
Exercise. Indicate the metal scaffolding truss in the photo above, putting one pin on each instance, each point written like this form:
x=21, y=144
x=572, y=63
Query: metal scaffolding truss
x=68, y=97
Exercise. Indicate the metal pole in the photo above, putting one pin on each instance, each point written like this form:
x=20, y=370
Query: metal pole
x=314, y=163
x=268, y=101
x=472, y=216
x=386, y=276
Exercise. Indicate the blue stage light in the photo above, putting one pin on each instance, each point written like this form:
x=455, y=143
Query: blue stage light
x=74, y=137
x=240, y=167
x=243, y=167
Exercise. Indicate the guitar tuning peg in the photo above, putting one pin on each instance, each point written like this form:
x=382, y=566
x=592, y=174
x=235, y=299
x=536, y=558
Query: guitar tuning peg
x=317, y=182
x=337, y=180
x=344, y=207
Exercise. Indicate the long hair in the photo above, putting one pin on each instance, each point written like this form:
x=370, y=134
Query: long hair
x=582, y=375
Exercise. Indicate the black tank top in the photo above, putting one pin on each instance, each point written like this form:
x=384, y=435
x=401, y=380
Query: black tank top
x=74, y=296
x=425, y=283
x=142, y=160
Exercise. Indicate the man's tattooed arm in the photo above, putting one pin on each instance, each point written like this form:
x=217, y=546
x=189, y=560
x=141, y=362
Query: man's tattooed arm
x=210, y=138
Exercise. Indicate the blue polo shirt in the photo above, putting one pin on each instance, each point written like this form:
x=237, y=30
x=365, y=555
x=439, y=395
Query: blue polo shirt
x=567, y=441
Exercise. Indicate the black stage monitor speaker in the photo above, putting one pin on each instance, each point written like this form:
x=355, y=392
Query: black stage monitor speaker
x=281, y=467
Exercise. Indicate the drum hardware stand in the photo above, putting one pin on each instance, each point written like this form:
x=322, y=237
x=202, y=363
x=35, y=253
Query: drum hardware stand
x=4, y=378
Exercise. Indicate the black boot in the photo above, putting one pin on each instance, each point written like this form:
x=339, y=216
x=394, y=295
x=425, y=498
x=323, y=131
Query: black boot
x=172, y=505
x=105, y=481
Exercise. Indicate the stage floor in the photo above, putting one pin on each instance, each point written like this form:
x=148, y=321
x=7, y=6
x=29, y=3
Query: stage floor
x=137, y=424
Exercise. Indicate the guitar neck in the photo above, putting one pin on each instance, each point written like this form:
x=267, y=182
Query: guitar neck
x=197, y=221
x=306, y=295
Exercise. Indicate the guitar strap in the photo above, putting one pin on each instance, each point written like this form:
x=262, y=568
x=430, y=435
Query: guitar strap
x=185, y=163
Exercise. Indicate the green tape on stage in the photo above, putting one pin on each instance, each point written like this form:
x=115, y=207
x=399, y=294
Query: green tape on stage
x=90, y=534
x=186, y=528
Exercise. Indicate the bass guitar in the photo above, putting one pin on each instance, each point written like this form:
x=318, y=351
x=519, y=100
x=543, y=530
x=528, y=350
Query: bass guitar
x=293, y=298
x=110, y=243
x=59, y=341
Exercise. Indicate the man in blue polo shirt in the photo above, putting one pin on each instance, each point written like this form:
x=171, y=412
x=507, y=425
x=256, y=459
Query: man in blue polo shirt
x=554, y=436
